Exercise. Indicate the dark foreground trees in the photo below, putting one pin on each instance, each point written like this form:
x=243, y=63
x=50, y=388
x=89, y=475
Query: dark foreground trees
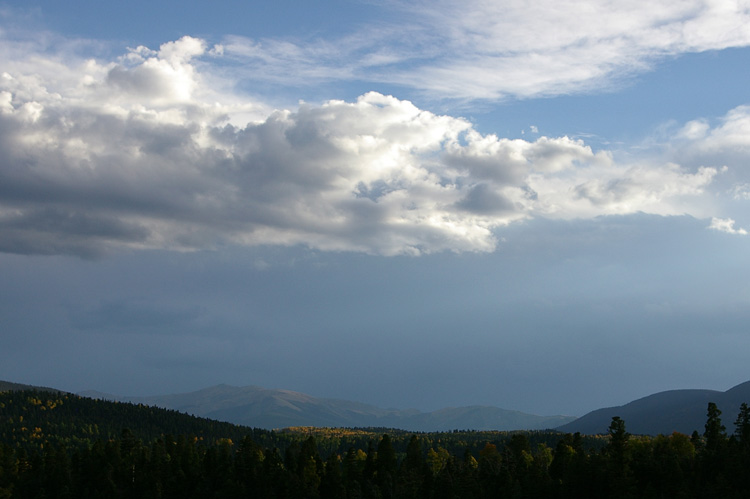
x=399, y=465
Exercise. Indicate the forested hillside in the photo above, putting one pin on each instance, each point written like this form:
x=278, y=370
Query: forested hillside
x=31, y=418
x=6, y=386
x=57, y=445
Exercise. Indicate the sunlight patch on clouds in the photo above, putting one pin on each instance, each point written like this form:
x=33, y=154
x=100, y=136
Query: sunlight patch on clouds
x=656, y=189
x=153, y=157
x=165, y=75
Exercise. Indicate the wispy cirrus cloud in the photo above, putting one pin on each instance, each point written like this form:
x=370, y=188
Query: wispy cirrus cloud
x=143, y=152
x=498, y=49
x=486, y=50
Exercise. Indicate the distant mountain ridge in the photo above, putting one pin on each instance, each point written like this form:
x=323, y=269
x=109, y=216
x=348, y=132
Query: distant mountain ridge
x=264, y=408
x=661, y=413
x=666, y=412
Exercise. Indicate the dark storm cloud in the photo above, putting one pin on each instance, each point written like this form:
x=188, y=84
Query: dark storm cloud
x=130, y=317
x=617, y=307
x=51, y=231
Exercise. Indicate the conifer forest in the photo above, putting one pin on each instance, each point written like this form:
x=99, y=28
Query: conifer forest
x=57, y=445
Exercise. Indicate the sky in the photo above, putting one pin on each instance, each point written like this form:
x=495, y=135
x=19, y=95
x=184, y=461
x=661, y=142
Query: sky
x=542, y=206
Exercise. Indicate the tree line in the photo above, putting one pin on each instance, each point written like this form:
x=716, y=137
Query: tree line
x=317, y=463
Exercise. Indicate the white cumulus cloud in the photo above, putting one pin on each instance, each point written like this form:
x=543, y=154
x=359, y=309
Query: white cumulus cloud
x=156, y=158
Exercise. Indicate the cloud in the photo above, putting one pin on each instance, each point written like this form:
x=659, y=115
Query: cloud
x=741, y=191
x=731, y=134
x=551, y=47
x=161, y=75
x=726, y=225
x=138, y=153
x=490, y=50
x=724, y=141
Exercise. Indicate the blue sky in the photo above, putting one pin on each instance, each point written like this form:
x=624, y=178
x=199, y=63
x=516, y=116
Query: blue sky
x=542, y=207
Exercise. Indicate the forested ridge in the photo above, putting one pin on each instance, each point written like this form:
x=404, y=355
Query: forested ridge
x=57, y=445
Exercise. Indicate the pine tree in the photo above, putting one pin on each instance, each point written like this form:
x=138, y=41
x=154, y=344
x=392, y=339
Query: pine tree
x=715, y=433
x=619, y=476
x=386, y=466
x=742, y=426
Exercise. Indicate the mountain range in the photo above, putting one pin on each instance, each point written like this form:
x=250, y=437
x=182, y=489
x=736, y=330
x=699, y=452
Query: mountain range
x=265, y=408
x=682, y=411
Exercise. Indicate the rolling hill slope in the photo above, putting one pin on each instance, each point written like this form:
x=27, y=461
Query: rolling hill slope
x=663, y=413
